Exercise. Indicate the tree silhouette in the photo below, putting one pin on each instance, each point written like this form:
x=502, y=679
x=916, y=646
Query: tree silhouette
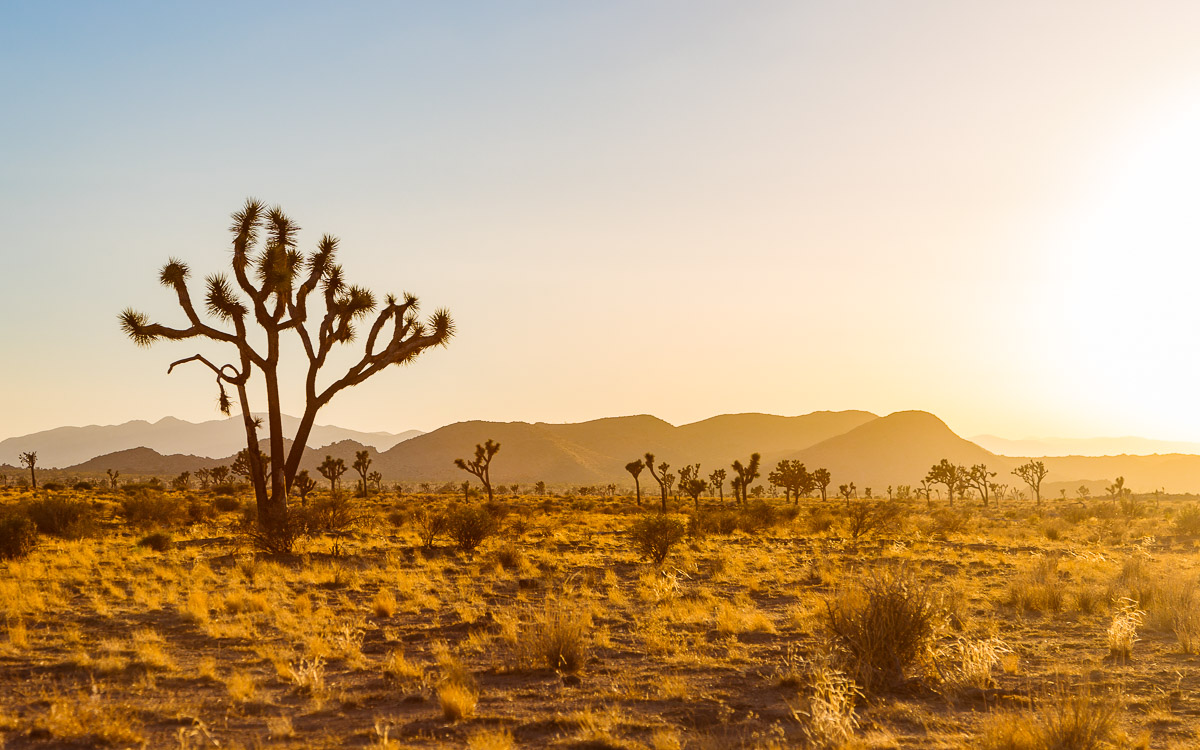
x=481, y=465
x=362, y=464
x=29, y=461
x=376, y=479
x=821, y=479
x=794, y=478
x=270, y=295
x=662, y=477
x=303, y=484
x=220, y=474
x=635, y=468
x=746, y=475
x=980, y=478
x=183, y=481
x=716, y=480
x=693, y=488
x=112, y=477
x=243, y=466
x=953, y=476
x=1032, y=474
x=332, y=469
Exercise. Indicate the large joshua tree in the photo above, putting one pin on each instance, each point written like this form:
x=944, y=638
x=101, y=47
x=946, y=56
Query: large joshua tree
x=270, y=299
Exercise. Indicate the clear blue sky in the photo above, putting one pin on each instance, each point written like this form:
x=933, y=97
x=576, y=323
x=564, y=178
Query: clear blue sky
x=681, y=208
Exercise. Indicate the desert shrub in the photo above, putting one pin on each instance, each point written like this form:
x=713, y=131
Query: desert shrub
x=819, y=520
x=946, y=521
x=159, y=541
x=864, y=518
x=397, y=518
x=224, y=489
x=707, y=522
x=152, y=509
x=18, y=535
x=1038, y=588
x=509, y=556
x=468, y=526
x=558, y=638
x=83, y=486
x=62, y=517
x=882, y=628
x=333, y=515
x=53, y=486
x=757, y=516
x=1188, y=520
x=198, y=511
x=654, y=536
x=226, y=503
x=1076, y=514
x=430, y=524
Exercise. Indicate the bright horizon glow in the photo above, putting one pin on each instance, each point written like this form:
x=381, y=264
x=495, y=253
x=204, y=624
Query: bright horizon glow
x=684, y=210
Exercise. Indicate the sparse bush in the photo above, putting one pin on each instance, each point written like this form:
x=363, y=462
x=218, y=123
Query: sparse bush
x=757, y=516
x=706, y=522
x=145, y=509
x=558, y=638
x=62, y=517
x=864, y=517
x=159, y=541
x=655, y=535
x=508, y=555
x=53, y=486
x=1039, y=588
x=18, y=535
x=882, y=628
x=430, y=524
x=1122, y=633
x=1187, y=522
x=469, y=526
x=226, y=503
x=334, y=515
x=83, y=486
x=946, y=521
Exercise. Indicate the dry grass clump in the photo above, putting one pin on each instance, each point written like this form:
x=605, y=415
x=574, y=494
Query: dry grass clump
x=742, y=617
x=241, y=686
x=384, y=603
x=969, y=663
x=491, y=739
x=457, y=691
x=558, y=637
x=397, y=666
x=828, y=715
x=1064, y=720
x=89, y=720
x=882, y=628
x=1039, y=588
x=1122, y=633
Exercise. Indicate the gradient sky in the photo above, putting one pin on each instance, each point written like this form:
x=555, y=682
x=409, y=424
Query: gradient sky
x=984, y=210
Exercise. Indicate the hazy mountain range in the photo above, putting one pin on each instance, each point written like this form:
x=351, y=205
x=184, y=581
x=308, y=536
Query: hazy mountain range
x=856, y=446
x=65, y=446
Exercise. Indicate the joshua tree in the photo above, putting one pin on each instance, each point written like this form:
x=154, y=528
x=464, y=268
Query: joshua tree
x=466, y=490
x=847, y=491
x=362, y=464
x=183, y=481
x=794, y=478
x=716, y=481
x=376, y=479
x=821, y=480
x=635, y=468
x=332, y=469
x=204, y=476
x=303, y=484
x=481, y=465
x=112, y=478
x=746, y=475
x=220, y=474
x=539, y=489
x=1117, y=489
x=953, y=476
x=1032, y=474
x=694, y=487
x=270, y=295
x=662, y=477
x=29, y=461
x=243, y=466
x=980, y=478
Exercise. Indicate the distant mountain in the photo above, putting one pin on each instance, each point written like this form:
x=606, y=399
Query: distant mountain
x=897, y=449
x=1102, y=446
x=65, y=446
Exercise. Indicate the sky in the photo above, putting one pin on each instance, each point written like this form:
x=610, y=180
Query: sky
x=983, y=210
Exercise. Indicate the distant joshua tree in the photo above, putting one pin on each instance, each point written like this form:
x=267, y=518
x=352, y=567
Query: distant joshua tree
x=794, y=478
x=29, y=461
x=304, y=484
x=1032, y=474
x=183, y=481
x=746, y=475
x=635, y=468
x=821, y=480
x=204, y=476
x=847, y=491
x=952, y=475
x=271, y=297
x=539, y=489
x=716, y=481
x=979, y=478
x=332, y=469
x=220, y=474
x=481, y=465
x=112, y=478
x=694, y=487
x=664, y=479
x=244, y=467
x=376, y=479
x=362, y=464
